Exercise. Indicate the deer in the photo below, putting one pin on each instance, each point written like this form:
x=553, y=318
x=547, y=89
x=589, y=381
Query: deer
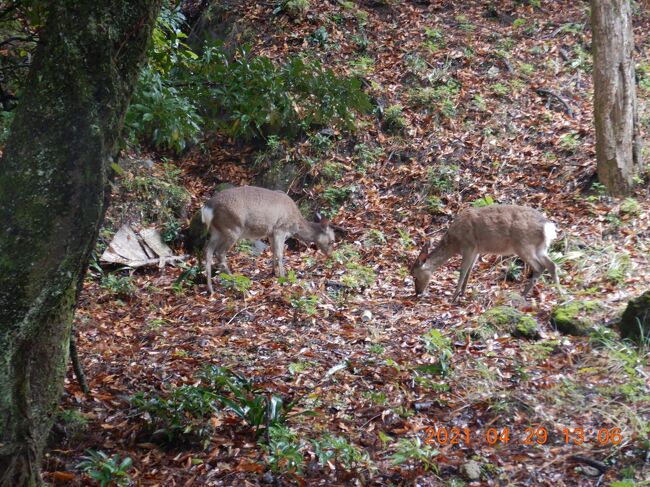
x=493, y=229
x=250, y=212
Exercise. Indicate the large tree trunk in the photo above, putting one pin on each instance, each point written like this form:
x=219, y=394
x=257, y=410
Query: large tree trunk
x=618, y=144
x=53, y=182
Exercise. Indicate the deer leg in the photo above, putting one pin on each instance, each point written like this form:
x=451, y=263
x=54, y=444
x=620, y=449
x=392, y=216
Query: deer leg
x=212, y=244
x=226, y=242
x=469, y=259
x=550, y=265
x=277, y=247
x=538, y=268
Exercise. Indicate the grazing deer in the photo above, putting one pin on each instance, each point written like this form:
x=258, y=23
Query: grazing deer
x=249, y=212
x=495, y=229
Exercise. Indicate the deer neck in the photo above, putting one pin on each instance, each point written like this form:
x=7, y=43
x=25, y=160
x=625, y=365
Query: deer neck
x=308, y=231
x=441, y=254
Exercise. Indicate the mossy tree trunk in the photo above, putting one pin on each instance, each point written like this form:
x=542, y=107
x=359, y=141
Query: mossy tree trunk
x=53, y=183
x=618, y=143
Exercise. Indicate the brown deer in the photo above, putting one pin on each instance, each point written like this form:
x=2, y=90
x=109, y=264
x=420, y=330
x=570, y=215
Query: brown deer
x=249, y=212
x=494, y=229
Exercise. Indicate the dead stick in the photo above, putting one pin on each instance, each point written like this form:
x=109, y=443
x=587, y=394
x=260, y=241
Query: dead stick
x=544, y=91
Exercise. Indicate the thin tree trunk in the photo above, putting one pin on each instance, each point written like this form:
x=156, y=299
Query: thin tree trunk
x=618, y=144
x=53, y=177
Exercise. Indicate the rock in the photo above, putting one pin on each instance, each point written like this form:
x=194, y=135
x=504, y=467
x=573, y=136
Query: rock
x=506, y=319
x=575, y=318
x=366, y=315
x=635, y=322
x=471, y=470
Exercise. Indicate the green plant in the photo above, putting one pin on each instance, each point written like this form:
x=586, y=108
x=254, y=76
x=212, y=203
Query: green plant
x=394, y=120
x=434, y=204
x=358, y=276
x=376, y=237
x=6, y=118
x=518, y=23
x=526, y=69
x=435, y=39
x=160, y=112
x=405, y=238
x=320, y=143
x=236, y=282
x=305, y=304
x=366, y=156
x=335, y=197
x=500, y=89
x=413, y=450
x=332, y=170
x=119, y=286
x=569, y=142
x=630, y=207
x=464, y=24
x=438, y=346
x=106, y=470
x=345, y=253
x=182, y=415
x=361, y=66
x=619, y=267
x=485, y=201
x=338, y=450
x=479, y=103
x=582, y=58
x=442, y=178
x=283, y=450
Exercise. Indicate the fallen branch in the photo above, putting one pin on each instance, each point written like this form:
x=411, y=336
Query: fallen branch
x=544, y=91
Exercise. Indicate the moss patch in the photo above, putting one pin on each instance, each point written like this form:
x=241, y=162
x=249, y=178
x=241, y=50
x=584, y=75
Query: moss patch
x=635, y=322
x=575, y=318
x=506, y=319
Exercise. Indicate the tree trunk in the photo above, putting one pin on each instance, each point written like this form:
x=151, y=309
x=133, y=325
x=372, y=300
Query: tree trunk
x=618, y=144
x=53, y=182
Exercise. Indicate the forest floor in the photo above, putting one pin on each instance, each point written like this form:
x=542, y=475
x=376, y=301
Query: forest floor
x=346, y=340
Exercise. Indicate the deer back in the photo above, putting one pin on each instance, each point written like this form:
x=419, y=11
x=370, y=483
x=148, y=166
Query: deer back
x=253, y=212
x=497, y=229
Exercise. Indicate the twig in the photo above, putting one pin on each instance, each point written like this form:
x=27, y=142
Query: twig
x=544, y=91
x=76, y=365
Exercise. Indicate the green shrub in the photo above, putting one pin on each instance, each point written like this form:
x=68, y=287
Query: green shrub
x=284, y=451
x=253, y=97
x=485, y=201
x=338, y=450
x=180, y=416
x=118, y=286
x=160, y=114
x=106, y=470
x=442, y=177
x=413, y=450
x=394, y=120
x=243, y=95
x=236, y=282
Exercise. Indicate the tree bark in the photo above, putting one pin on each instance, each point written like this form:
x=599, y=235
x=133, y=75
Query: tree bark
x=53, y=182
x=618, y=144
